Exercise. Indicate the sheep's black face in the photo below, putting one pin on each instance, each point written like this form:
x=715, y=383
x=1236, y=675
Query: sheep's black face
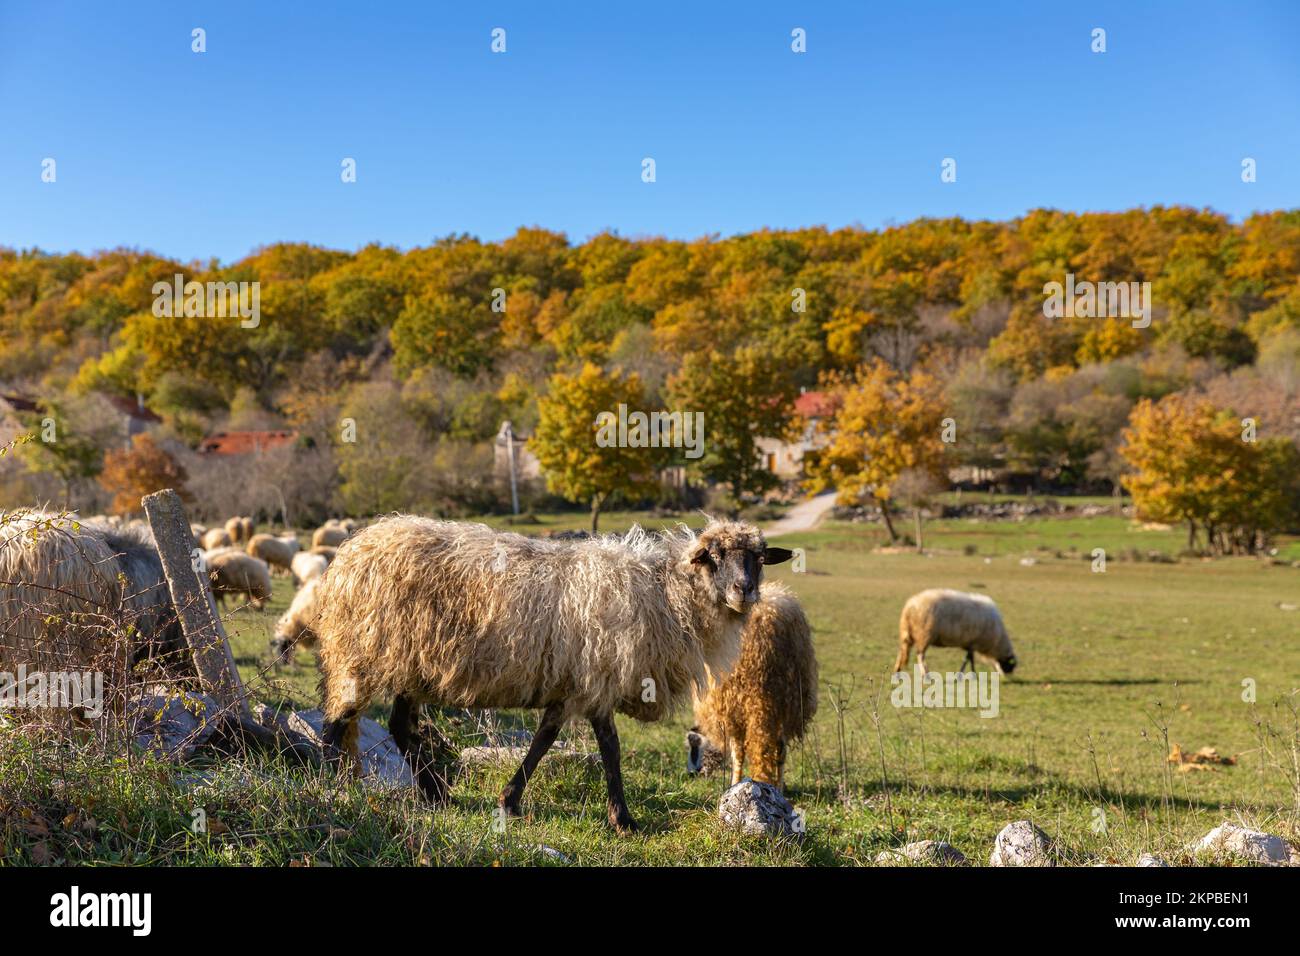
x=281, y=649
x=1008, y=664
x=702, y=755
x=733, y=556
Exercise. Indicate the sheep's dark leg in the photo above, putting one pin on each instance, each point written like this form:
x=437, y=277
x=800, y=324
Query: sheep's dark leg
x=403, y=724
x=547, y=730
x=338, y=736
x=607, y=738
x=970, y=659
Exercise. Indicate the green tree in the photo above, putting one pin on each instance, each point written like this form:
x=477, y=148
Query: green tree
x=578, y=465
x=745, y=395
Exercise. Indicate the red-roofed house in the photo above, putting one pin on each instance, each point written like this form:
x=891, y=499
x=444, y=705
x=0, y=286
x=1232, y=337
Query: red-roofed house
x=243, y=443
x=785, y=459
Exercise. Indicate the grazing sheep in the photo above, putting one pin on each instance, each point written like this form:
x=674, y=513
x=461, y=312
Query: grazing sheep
x=276, y=552
x=330, y=535
x=234, y=572
x=217, y=538
x=943, y=618
x=68, y=591
x=294, y=627
x=146, y=591
x=466, y=616
x=240, y=529
x=197, y=531
x=306, y=566
x=767, y=700
x=328, y=552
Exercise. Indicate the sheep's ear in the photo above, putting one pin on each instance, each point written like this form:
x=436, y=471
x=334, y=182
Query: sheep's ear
x=777, y=555
x=701, y=555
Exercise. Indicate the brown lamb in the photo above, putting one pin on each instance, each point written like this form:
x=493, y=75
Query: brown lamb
x=767, y=701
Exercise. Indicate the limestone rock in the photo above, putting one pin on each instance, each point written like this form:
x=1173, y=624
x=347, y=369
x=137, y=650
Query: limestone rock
x=758, y=809
x=932, y=852
x=1022, y=844
x=1243, y=843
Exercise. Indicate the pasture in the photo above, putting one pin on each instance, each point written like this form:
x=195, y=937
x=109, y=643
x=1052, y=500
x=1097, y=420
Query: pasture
x=1115, y=668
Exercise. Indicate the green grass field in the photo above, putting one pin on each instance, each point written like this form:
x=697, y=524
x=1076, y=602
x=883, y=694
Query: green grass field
x=1115, y=667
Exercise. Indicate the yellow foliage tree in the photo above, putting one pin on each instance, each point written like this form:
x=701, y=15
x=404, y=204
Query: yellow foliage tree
x=886, y=425
x=1192, y=462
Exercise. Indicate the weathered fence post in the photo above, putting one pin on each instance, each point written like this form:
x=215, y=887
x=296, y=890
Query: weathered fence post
x=206, y=637
x=213, y=660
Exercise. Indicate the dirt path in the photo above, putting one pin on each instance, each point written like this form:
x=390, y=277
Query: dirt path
x=804, y=516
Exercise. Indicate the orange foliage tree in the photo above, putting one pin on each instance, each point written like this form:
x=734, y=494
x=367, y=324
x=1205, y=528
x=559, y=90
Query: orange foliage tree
x=131, y=473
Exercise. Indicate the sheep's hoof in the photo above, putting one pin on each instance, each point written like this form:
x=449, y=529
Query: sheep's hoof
x=511, y=807
x=623, y=823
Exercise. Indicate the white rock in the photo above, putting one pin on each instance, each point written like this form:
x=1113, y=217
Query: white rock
x=1255, y=846
x=758, y=809
x=382, y=764
x=1150, y=859
x=1022, y=844
x=935, y=852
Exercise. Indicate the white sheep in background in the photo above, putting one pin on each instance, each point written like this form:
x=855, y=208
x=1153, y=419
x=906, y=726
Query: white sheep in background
x=231, y=571
x=331, y=535
x=294, y=628
x=944, y=618
x=306, y=566
x=216, y=538
x=276, y=552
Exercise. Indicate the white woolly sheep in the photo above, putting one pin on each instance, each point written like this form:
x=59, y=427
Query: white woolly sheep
x=329, y=535
x=294, y=628
x=69, y=590
x=306, y=566
x=943, y=618
x=234, y=572
x=240, y=529
x=217, y=538
x=768, y=699
x=466, y=616
x=276, y=552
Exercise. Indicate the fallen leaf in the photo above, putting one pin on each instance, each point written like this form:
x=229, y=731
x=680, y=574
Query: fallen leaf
x=33, y=824
x=1200, y=758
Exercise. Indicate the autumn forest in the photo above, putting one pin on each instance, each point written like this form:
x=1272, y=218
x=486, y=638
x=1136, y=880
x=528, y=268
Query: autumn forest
x=930, y=340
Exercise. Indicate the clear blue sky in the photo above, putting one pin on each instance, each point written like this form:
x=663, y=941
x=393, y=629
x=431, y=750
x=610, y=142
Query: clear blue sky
x=212, y=155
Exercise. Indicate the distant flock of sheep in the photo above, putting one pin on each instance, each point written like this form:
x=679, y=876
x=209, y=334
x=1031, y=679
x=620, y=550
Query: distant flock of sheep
x=459, y=615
